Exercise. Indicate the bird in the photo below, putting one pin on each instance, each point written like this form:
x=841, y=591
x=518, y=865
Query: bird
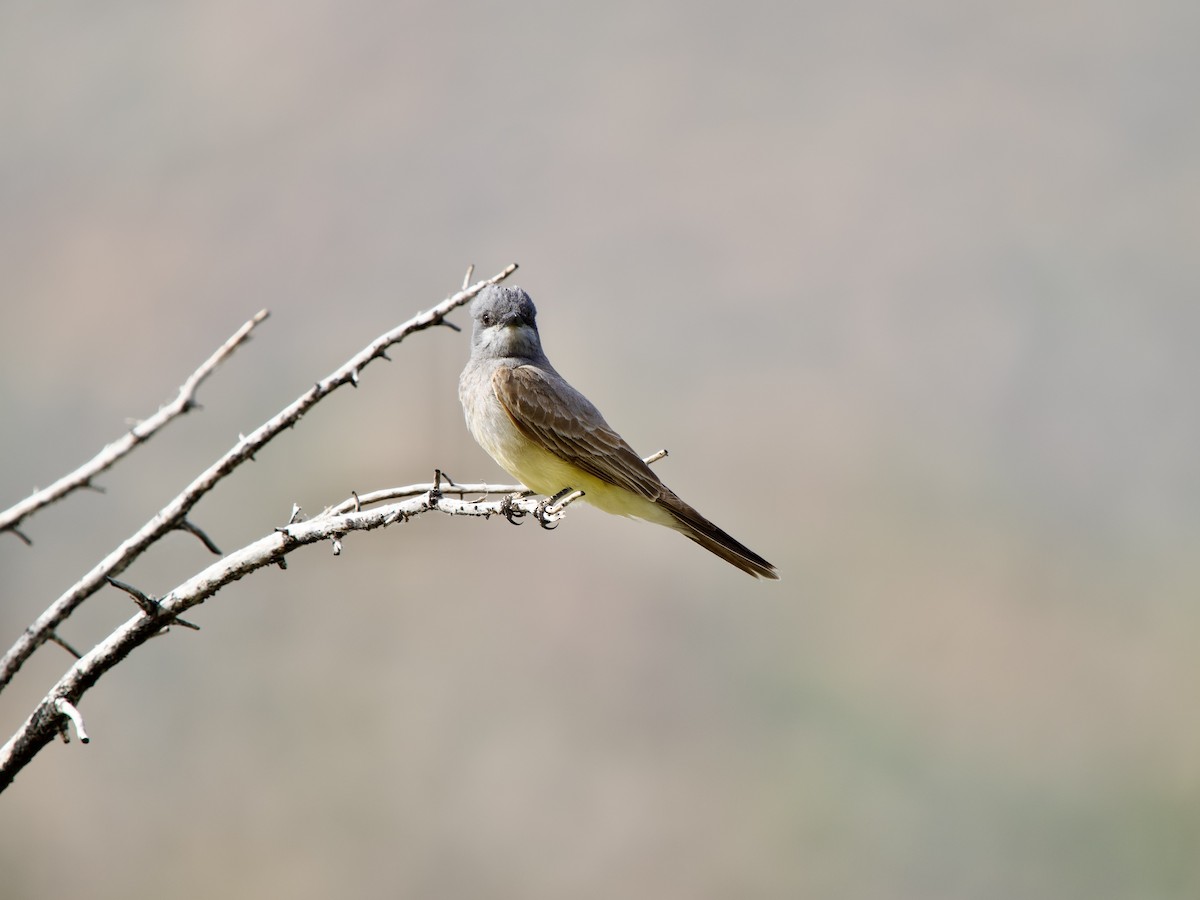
x=550, y=437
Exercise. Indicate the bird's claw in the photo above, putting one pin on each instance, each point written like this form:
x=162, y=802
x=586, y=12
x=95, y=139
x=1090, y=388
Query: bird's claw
x=550, y=510
x=548, y=520
x=510, y=510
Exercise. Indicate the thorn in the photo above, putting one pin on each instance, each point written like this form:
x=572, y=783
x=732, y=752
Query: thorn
x=94, y=487
x=281, y=562
x=383, y=353
x=187, y=526
x=22, y=535
x=64, y=707
x=354, y=377
x=184, y=623
x=357, y=502
x=337, y=547
x=467, y=277
x=296, y=510
x=242, y=440
x=147, y=603
x=57, y=640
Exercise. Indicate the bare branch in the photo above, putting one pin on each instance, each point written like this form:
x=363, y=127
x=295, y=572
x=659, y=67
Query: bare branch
x=140, y=433
x=43, y=724
x=357, y=501
x=175, y=512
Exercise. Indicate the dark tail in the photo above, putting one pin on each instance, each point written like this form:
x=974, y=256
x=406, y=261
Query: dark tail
x=694, y=526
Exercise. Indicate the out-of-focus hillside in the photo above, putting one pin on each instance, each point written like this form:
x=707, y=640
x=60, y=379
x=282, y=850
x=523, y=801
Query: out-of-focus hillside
x=909, y=292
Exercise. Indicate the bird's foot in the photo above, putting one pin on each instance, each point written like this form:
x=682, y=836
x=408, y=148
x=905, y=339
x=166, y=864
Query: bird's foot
x=544, y=518
x=510, y=510
x=550, y=510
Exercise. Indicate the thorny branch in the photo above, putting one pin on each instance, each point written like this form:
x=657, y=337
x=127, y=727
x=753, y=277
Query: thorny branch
x=82, y=477
x=155, y=616
x=46, y=720
x=174, y=514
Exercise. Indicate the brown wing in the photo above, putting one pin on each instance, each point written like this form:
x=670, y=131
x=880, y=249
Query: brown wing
x=554, y=415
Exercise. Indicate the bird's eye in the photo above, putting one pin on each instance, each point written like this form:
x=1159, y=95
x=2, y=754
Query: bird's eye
x=486, y=319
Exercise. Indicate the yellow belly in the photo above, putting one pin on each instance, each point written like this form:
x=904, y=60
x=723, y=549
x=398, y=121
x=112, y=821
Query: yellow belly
x=547, y=473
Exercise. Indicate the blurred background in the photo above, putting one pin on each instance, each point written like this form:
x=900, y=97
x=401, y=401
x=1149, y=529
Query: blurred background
x=908, y=291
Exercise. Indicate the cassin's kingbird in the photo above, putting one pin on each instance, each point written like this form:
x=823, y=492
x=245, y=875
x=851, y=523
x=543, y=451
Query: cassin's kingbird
x=549, y=436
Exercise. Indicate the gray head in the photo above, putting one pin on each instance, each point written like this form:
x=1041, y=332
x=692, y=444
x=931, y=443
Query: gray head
x=504, y=325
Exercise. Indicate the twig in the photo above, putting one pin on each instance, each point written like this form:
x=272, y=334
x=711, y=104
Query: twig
x=175, y=512
x=357, y=501
x=140, y=433
x=66, y=708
